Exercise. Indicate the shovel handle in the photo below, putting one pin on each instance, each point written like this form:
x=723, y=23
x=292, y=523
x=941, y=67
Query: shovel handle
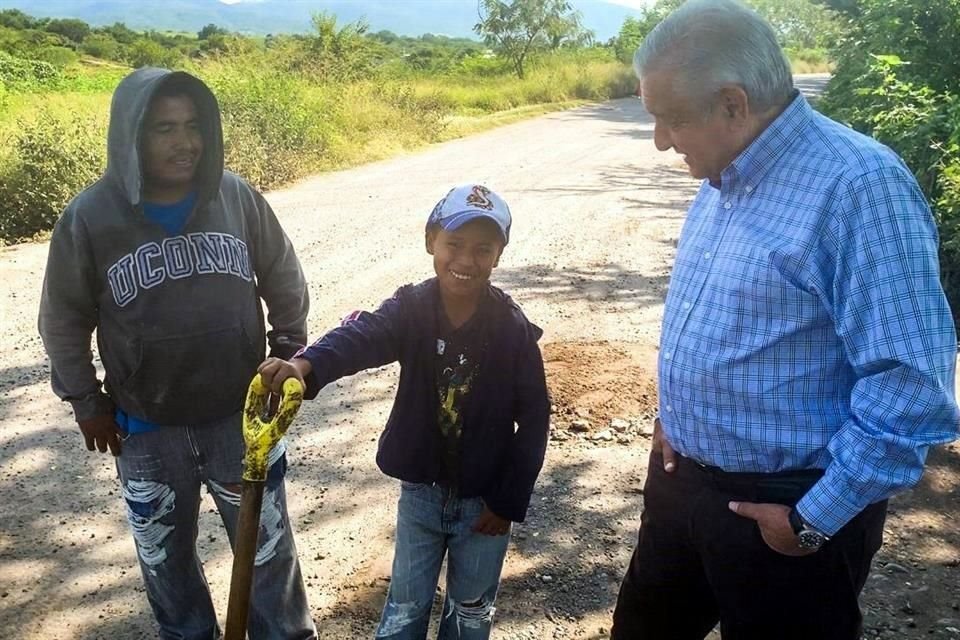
x=244, y=555
x=260, y=436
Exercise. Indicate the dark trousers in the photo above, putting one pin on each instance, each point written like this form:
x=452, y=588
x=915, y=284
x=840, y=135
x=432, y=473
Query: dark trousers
x=698, y=563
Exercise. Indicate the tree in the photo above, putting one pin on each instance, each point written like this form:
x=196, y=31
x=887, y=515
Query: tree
x=516, y=29
x=634, y=30
x=101, y=45
x=211, y=30
x=568, y=31
x=800, y=24
x=16, y=19
x=386, y=37
x=70, y=28
x=146, y=52
x=332, y=52
x=121, y=33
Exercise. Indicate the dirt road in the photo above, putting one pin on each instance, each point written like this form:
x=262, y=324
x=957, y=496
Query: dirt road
x=597, y=213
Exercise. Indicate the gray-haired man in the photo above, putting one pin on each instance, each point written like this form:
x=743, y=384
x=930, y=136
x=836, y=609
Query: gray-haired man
x=807, y=352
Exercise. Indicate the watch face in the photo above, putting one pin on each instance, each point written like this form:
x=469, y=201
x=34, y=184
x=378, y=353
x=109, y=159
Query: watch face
x=811, y=539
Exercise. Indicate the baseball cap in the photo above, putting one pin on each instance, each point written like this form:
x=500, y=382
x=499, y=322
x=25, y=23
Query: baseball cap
x=468, y=202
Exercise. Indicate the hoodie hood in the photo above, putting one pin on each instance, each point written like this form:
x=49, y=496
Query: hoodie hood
x=131, y=100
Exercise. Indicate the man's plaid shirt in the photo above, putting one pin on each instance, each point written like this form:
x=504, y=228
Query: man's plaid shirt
x=805, y=325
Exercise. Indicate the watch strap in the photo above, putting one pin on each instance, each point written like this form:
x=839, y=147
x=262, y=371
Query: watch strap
x=796, y=522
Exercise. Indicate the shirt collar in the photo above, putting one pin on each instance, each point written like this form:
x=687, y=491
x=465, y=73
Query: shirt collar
x=749, y=168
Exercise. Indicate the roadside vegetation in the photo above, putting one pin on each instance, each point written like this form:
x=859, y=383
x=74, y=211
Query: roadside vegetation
x=293, y=105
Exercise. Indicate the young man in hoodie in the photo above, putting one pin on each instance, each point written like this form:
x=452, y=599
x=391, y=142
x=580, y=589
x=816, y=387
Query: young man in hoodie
x=167, y=257
x=468, y=429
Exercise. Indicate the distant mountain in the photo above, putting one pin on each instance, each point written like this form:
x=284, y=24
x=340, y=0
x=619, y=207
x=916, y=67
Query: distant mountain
x=404, y=17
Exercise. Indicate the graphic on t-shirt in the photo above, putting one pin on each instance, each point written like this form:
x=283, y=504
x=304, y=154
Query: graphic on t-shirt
x=454, y=386
x=456, y=370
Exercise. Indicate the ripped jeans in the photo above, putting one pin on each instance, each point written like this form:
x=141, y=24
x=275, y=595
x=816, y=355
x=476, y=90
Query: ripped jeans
x=432, y=523
x=161, y=473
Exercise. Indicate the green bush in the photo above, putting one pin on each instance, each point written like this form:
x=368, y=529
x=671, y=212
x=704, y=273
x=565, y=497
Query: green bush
x=483, y=65
x=948, y=210
x=59, y=57
x=18, y=72
x=423, y=114
x=101, y=45
x=95, y=79
x=148, y=53
x=273, y=132
x=54, y=159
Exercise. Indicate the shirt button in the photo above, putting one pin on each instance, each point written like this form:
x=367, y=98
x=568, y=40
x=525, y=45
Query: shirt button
x=748, y=189
x=706, y=256
x=727, y=205
x=669, y=409
x=686, y=305
x=667, y=355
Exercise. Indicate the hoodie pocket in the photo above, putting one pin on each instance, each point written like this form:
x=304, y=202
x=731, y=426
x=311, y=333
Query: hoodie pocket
x=190, y=379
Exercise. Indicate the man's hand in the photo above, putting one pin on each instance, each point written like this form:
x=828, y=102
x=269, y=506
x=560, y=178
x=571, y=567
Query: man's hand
x=774, y=526
x=101, y=432
x=275, y=372
x=490, y=524
x=659, y=442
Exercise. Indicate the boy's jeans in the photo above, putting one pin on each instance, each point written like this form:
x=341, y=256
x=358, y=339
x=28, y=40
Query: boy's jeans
x=161, y=473
x=432, y=523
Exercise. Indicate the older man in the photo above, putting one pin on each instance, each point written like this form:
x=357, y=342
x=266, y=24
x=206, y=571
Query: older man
x=807, y=353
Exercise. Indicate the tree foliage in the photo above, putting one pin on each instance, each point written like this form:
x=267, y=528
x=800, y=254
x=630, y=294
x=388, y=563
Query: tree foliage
x=332, y=52
x=799, y=24
x=634, y=30
x=16, y=19
x=519, y=29
x=211, y=30
x=70, y=28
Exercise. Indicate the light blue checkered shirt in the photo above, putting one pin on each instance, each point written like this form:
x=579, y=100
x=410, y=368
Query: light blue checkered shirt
x=805, y=325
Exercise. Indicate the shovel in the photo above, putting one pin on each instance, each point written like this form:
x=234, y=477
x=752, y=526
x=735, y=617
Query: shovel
x=260, y=437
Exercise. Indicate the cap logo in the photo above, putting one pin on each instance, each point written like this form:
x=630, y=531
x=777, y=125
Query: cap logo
x=478, y=197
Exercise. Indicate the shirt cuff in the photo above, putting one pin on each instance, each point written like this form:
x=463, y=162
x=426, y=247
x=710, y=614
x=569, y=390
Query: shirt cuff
x=828, y=506
x=285, y=348
x=92, y=405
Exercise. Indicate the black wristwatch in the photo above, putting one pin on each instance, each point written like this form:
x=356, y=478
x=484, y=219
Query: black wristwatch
x=809, y=538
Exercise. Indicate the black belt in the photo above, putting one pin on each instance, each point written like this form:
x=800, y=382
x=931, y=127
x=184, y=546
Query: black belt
x=781, y=486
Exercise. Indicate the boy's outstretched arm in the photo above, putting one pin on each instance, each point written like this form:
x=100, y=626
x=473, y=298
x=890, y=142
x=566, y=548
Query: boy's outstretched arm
x=532, y=416
x=365, y=340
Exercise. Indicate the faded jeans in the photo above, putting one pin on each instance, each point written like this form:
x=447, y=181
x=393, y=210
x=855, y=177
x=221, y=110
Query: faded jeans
x=161, y=474
x=432, y=523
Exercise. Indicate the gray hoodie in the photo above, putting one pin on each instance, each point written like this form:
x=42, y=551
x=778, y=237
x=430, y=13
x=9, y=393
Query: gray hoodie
x=179, y=324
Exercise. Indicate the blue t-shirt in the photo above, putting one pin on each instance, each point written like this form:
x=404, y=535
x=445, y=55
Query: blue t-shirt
x=131, y=424
x=172, y=217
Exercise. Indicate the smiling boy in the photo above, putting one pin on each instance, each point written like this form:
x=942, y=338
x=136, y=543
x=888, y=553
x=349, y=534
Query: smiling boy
x=469, y=425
